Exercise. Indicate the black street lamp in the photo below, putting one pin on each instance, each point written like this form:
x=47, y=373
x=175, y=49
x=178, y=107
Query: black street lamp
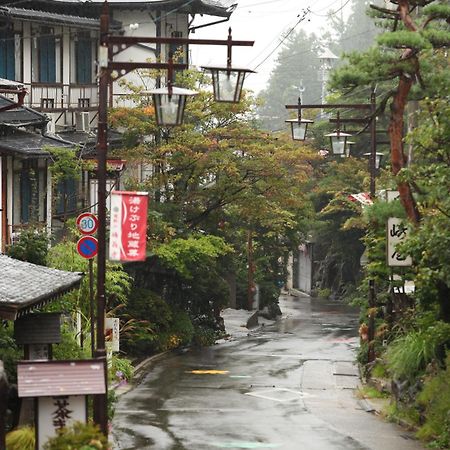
x=378, y=159
x=228, y=81
x=170, y=101
x=299, y=126
x=348, y=148
x=338, y=139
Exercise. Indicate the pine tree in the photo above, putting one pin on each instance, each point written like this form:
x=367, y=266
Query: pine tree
x=416, y=31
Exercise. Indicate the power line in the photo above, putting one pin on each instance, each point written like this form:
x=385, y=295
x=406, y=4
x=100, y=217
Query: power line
x=302, y=18
x=334, y=12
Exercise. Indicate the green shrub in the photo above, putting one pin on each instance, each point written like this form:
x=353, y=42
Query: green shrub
x=434, y=401
x=204, y=337
x=68, y=348
x=79, y=436
x=32, y=246
x=152, y=317
x=22, y=438
x=122, y=366
x=324, y=293
x=182, y=327
x=408, y=355
x=10, y=353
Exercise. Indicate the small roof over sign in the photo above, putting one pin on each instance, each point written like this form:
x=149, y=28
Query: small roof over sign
x=55, y=378
x=25, y=286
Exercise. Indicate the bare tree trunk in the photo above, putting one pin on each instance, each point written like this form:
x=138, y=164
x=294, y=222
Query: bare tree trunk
x=396, y=126
x=398, y=158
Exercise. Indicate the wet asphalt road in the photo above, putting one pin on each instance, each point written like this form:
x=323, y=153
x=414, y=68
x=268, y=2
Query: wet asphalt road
x=288, y=386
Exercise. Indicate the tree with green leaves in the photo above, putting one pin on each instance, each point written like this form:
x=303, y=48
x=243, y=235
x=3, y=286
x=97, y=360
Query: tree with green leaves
x=213, y=181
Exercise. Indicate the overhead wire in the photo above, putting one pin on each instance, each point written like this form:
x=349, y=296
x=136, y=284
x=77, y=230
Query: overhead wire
x=305, y=13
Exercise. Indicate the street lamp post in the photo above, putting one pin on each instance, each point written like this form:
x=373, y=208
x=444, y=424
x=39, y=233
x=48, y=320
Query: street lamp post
x=338, y=144
x=170, y=107
x=299, y=126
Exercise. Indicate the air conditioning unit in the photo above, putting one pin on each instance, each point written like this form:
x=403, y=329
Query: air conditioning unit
x=82, y=121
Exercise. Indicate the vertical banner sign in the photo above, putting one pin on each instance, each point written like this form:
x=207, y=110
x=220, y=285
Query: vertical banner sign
x=112, y=332
x=128, y=228
x=396, y=233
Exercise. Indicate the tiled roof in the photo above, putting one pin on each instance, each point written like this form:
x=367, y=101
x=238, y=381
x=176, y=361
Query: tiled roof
x=211, y=7
x=19, y=116
x=32, y=15
x=28, y=145
x=55, y=378
x=25, y=286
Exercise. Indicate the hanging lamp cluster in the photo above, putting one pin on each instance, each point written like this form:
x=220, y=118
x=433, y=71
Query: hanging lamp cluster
x=228, y=82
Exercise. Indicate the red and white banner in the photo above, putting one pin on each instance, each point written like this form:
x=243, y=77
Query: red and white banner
x=362, y=197
x=128, y=228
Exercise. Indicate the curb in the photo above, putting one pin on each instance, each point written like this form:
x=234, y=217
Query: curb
x=124, y=388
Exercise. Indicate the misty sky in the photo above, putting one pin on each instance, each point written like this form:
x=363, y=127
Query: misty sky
x=263, y=21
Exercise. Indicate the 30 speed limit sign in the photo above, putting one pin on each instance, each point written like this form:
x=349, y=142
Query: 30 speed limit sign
x=87, y=223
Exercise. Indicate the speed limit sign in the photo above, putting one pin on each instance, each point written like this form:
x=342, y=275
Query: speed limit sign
x=87, y=223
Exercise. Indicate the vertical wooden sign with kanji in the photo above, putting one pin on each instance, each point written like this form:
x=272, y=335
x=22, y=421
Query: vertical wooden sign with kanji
x=128, y=227
x=397, y=231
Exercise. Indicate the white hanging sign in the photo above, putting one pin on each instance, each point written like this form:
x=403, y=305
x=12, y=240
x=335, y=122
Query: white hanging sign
x=397, y=232
x=112, y=327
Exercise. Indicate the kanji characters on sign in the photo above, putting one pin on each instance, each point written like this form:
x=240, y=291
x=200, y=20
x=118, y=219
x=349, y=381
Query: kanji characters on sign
x=396, y=233
x=128, y=228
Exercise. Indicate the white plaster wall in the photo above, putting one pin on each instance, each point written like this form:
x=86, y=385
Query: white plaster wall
x=26, y=45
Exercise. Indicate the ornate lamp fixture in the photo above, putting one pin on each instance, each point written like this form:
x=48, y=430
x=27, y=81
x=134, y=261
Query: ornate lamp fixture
x=228, y=81
x=378, y=158
x=299, y=126
x=170, y=101
x=338, y=140
x=348, y=148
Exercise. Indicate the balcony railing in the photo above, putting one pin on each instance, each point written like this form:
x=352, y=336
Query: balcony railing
x=62, y=97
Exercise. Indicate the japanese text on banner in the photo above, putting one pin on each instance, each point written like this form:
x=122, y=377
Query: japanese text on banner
x=128, y=229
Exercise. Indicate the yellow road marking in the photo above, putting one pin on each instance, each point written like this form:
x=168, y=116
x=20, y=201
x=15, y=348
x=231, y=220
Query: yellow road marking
x=208, y=372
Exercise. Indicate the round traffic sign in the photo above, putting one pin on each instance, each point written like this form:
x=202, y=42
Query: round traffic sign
x=87, y=247
x=87, y=223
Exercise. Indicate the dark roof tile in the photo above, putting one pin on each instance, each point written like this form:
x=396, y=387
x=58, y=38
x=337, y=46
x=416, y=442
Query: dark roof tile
x=25, y=286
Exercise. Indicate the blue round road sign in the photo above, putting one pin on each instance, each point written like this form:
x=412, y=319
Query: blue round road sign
x=87, y=247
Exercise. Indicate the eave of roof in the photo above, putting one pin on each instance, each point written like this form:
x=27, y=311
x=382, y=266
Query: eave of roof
x=28, y=145
x=209, y=7
x=54, y=378
x=20, y=116
x=25, y=286
x=32, y=15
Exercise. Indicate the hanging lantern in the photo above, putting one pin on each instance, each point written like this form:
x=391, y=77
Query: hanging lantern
x=170, y=104
x=348, y=149
x=378, y=159
x=228, y=83
x=299, y=128
x=338, y=141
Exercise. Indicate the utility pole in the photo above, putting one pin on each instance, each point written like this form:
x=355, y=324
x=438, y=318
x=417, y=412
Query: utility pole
x=100, y=400
x=251, y=272
x=372, y=300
